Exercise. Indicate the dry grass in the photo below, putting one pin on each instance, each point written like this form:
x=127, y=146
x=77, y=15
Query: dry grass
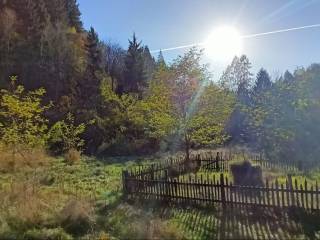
x=25, y=206
x=73, y=156
x=10, y=161
x=160, y=229
x=77, y=217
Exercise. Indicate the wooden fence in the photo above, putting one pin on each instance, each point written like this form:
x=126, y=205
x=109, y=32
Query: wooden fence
x=173, y=167
x=208, y=192
x=205, y=161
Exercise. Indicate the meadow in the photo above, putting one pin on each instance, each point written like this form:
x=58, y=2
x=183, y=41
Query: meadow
x=85, y=200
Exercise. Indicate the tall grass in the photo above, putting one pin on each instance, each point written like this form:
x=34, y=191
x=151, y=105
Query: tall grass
x=11, y=161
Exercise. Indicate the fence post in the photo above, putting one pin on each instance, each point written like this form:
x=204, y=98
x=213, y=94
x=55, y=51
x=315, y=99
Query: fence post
x=223, y=193
x=152, y=172
x=217, y=162
x=291, y=190
x=198, y=162
x=124, y=182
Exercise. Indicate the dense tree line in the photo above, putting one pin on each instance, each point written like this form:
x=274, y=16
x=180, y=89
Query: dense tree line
x=123, y=101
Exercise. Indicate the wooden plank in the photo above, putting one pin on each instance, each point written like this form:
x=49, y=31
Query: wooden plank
x=306, y=194
x=282, y=195
x=277, y=193
x=302, y=198
x=222, y=189
x=272, y=195
x=317, y=195
x=312, y=206
x=288, y=193
x=297, y=192
x=188, y=190
x=231, y=194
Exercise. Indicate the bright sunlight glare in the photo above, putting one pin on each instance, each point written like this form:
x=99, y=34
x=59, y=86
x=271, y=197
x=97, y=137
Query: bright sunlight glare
x=223, y=44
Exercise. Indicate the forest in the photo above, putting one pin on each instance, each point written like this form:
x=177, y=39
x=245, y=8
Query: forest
x=80, y=106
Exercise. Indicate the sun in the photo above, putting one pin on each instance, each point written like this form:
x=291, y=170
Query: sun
x=223, y=44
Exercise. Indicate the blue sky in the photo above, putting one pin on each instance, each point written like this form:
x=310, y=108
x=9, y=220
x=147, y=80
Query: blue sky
x=169, y=23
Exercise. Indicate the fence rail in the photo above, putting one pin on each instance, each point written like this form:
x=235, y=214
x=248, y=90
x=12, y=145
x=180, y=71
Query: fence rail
x=206, y=161
x=172, y=167
x=208, y=192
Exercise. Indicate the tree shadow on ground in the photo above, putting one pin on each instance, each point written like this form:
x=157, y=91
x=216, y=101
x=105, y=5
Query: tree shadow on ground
x=243, y=222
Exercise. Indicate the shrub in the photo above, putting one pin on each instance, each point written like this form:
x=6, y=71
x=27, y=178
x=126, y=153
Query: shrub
x=246, y=174
x=65, y=135
x=77, y=217
x=72, y=156
x=22, y=125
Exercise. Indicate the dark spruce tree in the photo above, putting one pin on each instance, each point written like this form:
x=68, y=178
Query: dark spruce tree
x=89, y=86
x=161, y=63
x=149, y=63
x=262, y=83
x=134, y=80
x=74, y=15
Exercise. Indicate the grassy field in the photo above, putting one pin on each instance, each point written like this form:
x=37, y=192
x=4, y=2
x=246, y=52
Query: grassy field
x=81, y=201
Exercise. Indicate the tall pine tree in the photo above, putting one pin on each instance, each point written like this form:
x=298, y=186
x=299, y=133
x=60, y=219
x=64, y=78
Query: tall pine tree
x=134, y=76
x=74, y=15
x=90, y=84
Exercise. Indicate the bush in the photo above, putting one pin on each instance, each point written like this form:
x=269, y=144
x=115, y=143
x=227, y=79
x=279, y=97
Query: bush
x=246, y=174
x=72, y=156
x=22, y=122
x=65, y=135
x=77, y=217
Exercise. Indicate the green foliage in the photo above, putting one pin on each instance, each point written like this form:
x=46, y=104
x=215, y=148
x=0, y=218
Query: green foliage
x=49, y=234
x=213, y=109
x=66, y=134
x=22, y=124
x=134, y=80
x=157, y=108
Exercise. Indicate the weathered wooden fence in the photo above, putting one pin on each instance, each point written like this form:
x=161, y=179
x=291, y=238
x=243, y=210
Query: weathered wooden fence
x=205, y=161
x=173, y=167
x=208, y=192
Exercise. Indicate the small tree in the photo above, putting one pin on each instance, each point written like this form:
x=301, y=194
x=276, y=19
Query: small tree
x=66, y=134
x=22, y=125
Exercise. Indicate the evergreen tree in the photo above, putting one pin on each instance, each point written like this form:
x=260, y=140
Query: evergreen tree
x=149, y=63
x=288, y=77
x=74, y=15
x=134, y=76
x=89, y=85
x=161, y=63
x=262, y=83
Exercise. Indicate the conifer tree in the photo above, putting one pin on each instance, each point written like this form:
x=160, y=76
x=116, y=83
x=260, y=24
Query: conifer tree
x=262, y=83
x=149, y=63
x=74, y=15
x=134, y=76
x=89, y=85
x=161, y=63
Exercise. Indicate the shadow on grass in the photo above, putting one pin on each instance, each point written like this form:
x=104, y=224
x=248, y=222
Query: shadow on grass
x=241, y=222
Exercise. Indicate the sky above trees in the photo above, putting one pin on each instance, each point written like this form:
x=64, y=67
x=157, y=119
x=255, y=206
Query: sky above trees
x=163, y=24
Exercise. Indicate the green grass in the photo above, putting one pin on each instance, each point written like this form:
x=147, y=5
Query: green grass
x=36, y=215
